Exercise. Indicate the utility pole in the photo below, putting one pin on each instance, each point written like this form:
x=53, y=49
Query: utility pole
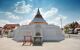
x=61, y=21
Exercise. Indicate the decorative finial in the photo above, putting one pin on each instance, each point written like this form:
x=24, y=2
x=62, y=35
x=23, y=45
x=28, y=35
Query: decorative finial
x=38, y=12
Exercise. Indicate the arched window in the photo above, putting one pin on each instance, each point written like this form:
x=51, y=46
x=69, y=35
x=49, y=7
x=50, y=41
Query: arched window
x=38, y=34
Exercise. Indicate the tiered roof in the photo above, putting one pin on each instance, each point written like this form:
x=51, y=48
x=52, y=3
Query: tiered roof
x=38, y=19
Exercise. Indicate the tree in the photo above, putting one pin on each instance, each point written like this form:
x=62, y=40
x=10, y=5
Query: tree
x=72, y=26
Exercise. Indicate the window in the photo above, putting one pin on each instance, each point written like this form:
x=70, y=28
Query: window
x=38, y=34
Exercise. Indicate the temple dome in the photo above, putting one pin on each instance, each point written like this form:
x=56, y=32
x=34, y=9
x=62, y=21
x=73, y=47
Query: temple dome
x=38, y=19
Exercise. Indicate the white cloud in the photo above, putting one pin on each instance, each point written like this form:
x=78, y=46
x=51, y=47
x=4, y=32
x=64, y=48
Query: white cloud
x=12, y=16
x=60, y=18
x=57, y=20
x=50, y=13
x=21, y=7
x=78, y=21
x=3, y=22
x=25, y=22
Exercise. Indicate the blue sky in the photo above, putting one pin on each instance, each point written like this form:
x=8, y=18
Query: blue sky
x=23, y=11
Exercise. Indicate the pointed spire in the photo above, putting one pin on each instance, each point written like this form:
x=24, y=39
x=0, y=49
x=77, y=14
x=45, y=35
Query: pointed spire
x=38, y=12
x=38, y=15
x=38, y=19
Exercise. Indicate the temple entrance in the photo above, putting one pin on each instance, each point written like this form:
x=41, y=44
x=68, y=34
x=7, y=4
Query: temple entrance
x=37, y=39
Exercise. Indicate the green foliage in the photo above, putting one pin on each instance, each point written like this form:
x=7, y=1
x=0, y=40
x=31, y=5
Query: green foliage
x=66, y=29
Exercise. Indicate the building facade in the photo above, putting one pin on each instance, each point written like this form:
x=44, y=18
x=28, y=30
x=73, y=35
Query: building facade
x=38, y=28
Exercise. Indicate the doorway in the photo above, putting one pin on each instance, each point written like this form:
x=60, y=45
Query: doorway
x=37, y=39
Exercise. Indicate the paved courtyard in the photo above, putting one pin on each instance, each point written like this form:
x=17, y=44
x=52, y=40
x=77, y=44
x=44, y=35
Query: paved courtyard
x=67, y=44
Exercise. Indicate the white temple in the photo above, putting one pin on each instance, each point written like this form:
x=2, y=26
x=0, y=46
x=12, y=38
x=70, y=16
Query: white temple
x=38, y=27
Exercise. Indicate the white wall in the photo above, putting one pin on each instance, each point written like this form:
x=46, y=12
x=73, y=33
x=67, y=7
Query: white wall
x=21, y=32
x=49, y=32
x=52, y=33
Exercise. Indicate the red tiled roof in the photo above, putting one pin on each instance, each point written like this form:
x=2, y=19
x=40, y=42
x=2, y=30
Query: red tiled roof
x=10, y=26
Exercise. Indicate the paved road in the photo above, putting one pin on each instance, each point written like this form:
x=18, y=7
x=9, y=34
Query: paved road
x=67, y=44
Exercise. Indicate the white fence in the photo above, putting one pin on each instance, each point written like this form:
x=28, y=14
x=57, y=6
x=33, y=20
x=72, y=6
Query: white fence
x=76, y=36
